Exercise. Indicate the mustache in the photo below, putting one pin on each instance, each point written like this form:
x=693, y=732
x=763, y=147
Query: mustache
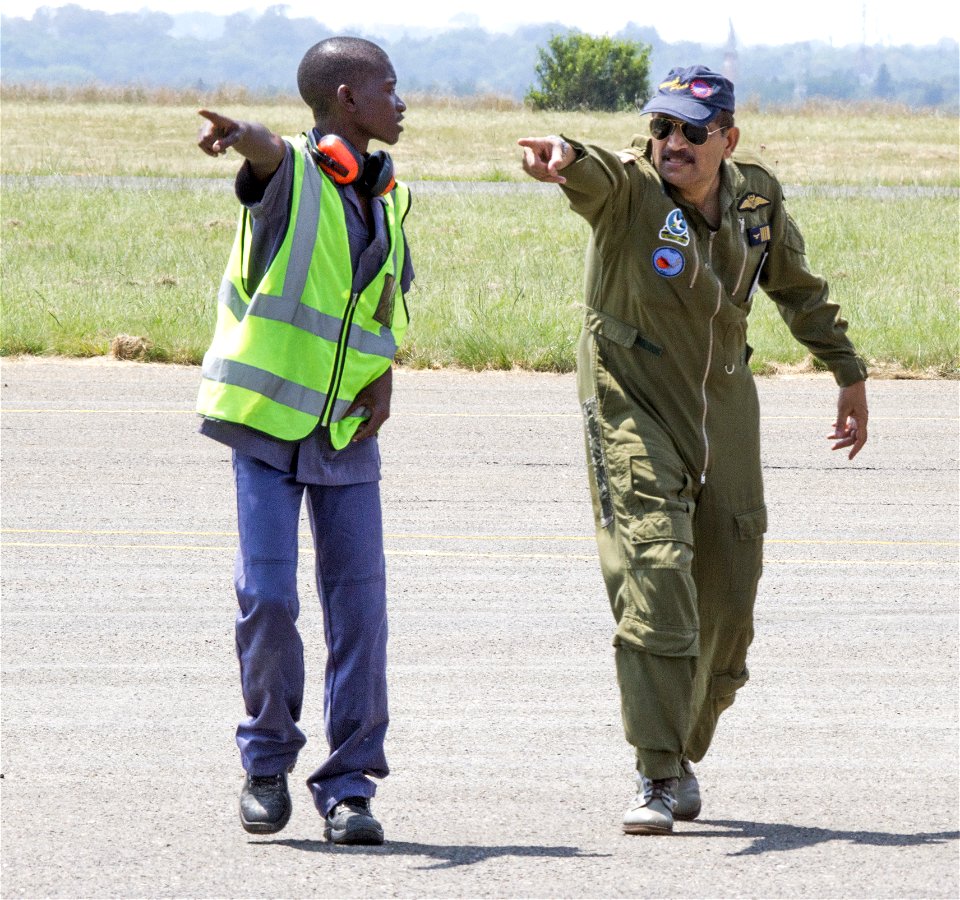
x=676, y=156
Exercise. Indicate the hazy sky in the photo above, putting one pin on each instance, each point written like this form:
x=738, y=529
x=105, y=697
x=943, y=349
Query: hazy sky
x=706, y=21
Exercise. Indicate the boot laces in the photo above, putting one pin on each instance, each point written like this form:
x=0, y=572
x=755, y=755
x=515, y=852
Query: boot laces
x=263, y=784
x=659, y=789
x=355, y=805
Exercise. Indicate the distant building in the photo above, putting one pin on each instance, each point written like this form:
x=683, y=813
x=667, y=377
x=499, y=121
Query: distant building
x=731, y=59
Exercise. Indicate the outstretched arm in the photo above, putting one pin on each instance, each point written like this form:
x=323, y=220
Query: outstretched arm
x=264, y=149
x=850, y=428
x=544, y=157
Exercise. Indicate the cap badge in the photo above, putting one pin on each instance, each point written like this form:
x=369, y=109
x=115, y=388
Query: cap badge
x=674, y=85
x=701, y=89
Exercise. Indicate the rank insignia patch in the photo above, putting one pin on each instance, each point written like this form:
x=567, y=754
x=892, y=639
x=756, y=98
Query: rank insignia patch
x=668, y=262
x=675, y=229
x=759, y=235
x=752, y=201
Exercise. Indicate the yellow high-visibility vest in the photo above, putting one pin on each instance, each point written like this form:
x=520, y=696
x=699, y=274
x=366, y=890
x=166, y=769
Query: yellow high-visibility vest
x=296, y=349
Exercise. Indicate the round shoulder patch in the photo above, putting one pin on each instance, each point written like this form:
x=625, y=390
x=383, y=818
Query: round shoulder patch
x=668, y=262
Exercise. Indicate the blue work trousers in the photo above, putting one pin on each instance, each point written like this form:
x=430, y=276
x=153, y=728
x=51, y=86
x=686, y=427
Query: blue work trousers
x=350, y=576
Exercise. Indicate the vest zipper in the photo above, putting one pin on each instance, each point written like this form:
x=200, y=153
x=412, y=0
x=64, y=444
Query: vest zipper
x=706, y=371
x=340, y=358
x=339, y=361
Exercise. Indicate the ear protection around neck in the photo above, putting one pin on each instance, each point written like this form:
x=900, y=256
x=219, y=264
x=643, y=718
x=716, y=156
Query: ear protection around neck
x=372, y=174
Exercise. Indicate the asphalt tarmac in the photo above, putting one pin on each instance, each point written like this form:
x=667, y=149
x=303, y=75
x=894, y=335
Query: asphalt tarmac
x=835, y=774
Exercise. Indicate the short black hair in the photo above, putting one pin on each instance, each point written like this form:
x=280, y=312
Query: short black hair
x=723, y=119
x=332, y=62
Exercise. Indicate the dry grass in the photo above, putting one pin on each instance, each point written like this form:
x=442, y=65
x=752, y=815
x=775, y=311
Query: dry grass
x=128, y=346
x=84, y=265
x=129, y=131
x=229, y=94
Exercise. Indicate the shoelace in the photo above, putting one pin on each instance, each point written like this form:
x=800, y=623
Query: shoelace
x=660, y=788
x=356, y=805
x=266, y=779
x=267, y=782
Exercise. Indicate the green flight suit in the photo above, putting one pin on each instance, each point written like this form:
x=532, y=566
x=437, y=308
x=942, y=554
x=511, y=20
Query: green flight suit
x=672, y=427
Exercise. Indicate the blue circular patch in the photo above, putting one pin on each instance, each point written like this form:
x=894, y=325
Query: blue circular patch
x=668, y=262
x=676, y=224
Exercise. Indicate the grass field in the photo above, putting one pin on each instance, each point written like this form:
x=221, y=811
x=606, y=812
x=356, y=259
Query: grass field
x=499, y=278
x=815, y=145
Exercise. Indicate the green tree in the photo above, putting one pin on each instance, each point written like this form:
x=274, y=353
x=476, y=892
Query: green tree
x=883, y=85
x=578, y=71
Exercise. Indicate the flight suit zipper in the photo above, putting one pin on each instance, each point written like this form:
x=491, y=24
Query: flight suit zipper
x=731, y=367
x=706, y=371
x=744, y=246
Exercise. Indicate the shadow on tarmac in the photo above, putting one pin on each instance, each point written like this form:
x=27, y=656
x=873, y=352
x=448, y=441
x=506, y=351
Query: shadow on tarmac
x=448, y=856
x=769, y=838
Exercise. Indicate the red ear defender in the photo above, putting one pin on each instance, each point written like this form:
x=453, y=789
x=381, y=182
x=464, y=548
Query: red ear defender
x=377, y=178
x=338, y=159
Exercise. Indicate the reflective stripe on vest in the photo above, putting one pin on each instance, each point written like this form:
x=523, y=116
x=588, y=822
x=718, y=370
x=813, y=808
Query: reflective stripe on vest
x=286, y=309
x=299, y=350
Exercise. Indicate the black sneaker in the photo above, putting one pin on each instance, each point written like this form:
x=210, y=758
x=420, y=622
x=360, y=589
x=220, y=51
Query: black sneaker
x=265, y=805
x=351, y=822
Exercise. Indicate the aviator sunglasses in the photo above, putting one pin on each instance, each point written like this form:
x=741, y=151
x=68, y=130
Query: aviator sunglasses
x=662, y=128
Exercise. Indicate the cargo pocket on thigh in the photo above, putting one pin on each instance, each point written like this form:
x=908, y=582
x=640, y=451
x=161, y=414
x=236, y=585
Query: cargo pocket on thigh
x=747, y=564
x=658, y=601
x=752, y=525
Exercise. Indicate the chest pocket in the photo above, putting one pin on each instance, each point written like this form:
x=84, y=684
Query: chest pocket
x=384, y=311
x=756, y=233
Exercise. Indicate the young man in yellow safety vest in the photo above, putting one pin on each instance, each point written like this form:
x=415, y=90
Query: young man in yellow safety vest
x=297, y=381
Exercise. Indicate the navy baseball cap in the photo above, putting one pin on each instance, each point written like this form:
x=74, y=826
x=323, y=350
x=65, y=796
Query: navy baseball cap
x=695, y=95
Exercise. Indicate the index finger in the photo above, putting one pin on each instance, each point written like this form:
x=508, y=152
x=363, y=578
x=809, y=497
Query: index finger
x=214, y=117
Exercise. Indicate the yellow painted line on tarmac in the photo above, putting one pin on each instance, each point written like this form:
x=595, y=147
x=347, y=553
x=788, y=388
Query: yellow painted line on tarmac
x=219, y=548
x=576, y=415
x=857, y=562
x=465, y=554
x=862, y=541
x=103, y=546
x=431, y=536
x=114, y=532
x=485, y=415
x=426, y=536
x=436, y=415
